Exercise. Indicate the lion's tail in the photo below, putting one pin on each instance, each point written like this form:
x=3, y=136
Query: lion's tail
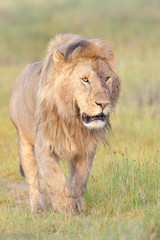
x=21, y=170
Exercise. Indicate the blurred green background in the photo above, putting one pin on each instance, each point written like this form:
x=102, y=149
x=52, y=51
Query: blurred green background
x=123, y=196
x=132, y=27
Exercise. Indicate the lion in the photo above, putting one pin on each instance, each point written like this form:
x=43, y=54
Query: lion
x=60, y=107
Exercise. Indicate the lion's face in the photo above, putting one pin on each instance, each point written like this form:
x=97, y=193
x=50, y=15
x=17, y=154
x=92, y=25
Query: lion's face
x=92, y=92
x=87, y=89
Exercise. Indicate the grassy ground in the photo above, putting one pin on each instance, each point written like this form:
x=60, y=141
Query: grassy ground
x=123, y=195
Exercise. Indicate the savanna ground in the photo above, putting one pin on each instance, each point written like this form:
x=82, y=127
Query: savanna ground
x=123, y=195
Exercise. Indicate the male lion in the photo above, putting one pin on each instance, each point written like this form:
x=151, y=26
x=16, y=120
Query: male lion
x=60, y=107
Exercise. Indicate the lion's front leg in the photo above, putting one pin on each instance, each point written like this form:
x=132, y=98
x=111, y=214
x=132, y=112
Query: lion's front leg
x=59, y=190
x=80, y=167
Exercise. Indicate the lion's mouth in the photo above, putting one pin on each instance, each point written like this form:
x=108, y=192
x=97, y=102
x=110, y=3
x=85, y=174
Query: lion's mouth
x=87, y=119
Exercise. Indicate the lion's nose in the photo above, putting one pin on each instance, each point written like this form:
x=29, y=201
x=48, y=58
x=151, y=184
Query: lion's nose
x=102, y=105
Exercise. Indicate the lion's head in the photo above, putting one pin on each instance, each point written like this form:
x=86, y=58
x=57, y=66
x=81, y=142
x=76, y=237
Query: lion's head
x=79, y=80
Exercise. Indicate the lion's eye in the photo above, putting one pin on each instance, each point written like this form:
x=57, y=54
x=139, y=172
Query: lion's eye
x=107, y=78
x=85, y=79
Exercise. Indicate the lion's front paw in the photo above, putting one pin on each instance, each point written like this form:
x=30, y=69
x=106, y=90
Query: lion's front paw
x=69, y=204
x=80, y=204
x=65, y=203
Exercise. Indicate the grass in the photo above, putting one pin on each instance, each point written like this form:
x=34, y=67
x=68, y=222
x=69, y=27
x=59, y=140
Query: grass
x=123, y=194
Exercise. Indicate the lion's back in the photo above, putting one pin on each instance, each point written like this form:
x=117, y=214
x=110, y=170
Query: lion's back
x=23, y=98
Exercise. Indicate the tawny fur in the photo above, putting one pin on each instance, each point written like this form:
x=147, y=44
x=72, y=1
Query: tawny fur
x=46, y=107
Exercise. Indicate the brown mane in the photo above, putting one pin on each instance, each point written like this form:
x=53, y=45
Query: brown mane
x=68, y=132
x=90, y=48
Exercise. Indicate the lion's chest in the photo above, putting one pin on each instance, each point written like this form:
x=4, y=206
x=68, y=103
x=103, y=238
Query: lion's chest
x=65, y=146
x=70, y=142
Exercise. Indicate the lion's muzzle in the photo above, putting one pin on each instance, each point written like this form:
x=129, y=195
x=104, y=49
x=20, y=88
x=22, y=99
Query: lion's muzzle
x=87, y=119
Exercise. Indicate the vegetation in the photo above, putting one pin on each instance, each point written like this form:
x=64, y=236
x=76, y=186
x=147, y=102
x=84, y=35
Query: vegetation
x=123, y=195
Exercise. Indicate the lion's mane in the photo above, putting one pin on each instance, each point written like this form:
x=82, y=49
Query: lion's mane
x=60, y=122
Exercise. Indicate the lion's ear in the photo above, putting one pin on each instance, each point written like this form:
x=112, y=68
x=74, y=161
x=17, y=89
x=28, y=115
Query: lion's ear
x=58, y=57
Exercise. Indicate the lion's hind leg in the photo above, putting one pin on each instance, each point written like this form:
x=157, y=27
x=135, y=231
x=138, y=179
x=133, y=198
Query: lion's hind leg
x=29, y=166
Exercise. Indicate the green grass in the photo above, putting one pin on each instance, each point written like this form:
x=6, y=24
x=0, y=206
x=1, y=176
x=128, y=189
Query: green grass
x=123, y=194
